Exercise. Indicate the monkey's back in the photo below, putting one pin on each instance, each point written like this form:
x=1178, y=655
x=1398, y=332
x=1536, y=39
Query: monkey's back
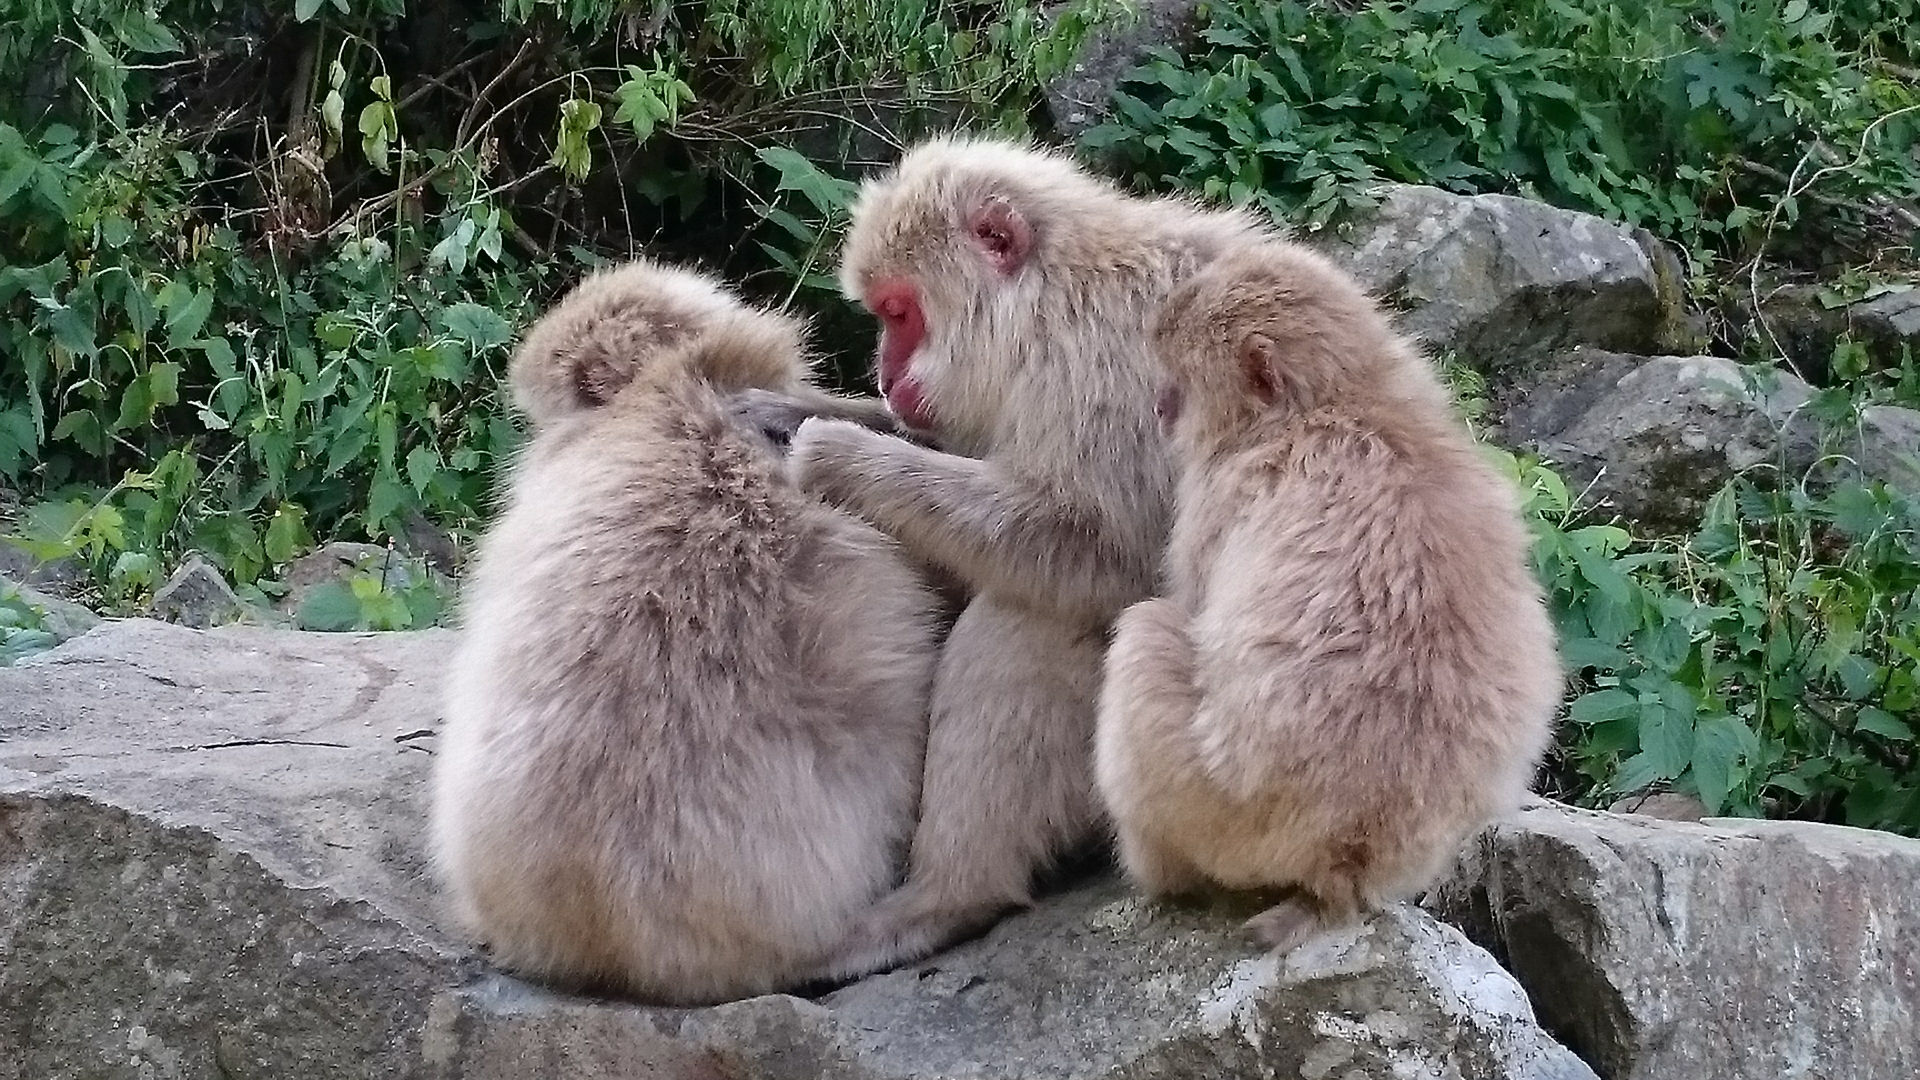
x=1378, y=666
x=659, y=773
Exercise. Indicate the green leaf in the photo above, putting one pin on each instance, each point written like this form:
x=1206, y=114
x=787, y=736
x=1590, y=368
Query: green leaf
x=1666, y=737
x=163, y=380
x=828, y=194
x=1583, y=651
x=186, y=315
x=305, y=10
x=1609, y=704
x=82, y=427
x=422, y=465
x=1883, y=723
x=330, y=606
x=578, y=118
x=1720, y=747
x=287, y=534
x=136, y=405
x=477, y=326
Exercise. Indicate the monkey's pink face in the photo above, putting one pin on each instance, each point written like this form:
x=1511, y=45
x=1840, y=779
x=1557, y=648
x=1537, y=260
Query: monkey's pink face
x=903, y=330
x=918, y=375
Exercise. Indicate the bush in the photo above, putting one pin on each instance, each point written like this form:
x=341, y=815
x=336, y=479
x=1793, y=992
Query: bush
x=264, y=262
x=1705, y=123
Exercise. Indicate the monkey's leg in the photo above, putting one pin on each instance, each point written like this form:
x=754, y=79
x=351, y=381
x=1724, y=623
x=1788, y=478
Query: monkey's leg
x=1008, y=784
x=1144, y=751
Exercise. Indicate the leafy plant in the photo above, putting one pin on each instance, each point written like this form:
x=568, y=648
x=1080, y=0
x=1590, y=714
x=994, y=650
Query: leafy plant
x=23, y=628
x=378, y=595
x=1710, y=124
x=265, y=263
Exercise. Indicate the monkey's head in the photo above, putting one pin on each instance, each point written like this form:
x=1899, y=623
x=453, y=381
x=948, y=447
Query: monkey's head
x=1271, y=326
x=950, y=250
x=619, y=323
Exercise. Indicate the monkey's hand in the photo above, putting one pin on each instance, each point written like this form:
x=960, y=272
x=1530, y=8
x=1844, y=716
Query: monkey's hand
x=997, y=531
x=774, y=415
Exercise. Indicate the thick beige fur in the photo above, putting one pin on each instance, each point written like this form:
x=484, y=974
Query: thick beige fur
x=1352, y=668
x=686, y=719
x=1052, y=506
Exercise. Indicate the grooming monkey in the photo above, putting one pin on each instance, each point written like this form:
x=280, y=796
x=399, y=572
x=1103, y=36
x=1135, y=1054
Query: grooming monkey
x=1014, y=292
x=686, y=719
x=1352, y=667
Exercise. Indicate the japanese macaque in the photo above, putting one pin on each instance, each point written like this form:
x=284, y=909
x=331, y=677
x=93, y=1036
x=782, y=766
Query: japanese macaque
x=1015, y=293
x=686, y=718
x=1351, y=668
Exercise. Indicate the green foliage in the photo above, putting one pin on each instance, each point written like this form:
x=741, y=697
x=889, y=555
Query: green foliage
x=23, y=627
x=1709, y=123
x=376, y=596
x=264, y=263
x=1769, y=664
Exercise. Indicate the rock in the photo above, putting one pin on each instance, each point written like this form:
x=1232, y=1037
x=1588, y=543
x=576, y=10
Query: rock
x=198, y=595
x=340, y=561
x=61, y=618
x=58, y=578
x=211, y=865
x=1503, y=281
x=1655, y=437
x=1805, y=330
x=1722, y=949
x=1080, y=99
x=1885, y=444
x=1665, y=805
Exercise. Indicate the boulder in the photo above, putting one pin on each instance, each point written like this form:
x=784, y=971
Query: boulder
x=1653, y=437
x=339, y=562
x=1503, y=281
x=1081, y=98
x=1805, y=329
x=198, y=595
x=1727, y=948
x=211, y=865
x=62, y=619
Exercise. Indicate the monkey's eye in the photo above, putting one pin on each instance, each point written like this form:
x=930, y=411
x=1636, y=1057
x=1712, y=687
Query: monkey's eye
x=894, y=308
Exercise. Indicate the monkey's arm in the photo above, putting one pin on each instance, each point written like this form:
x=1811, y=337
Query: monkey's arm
x=777, y=414
x=999, y=532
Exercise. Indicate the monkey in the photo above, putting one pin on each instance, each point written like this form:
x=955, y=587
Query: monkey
x=687, y=712
x=1014, y=291
x=1351, y=666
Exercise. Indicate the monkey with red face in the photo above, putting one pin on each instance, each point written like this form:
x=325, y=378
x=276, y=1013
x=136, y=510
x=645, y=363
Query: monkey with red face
x=1015, y=294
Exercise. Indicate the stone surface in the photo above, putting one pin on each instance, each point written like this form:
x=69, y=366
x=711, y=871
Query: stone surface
x=1504, y=281
x=61, y=618
x=1655, y=437
x=211, y=867
x=1806, y=330
x=198, y=595
x=1081, y=98
x=1665, y=805
x=1660, y=950
x=339, y=561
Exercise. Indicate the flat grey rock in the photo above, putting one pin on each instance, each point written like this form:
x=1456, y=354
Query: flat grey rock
x=211, y=867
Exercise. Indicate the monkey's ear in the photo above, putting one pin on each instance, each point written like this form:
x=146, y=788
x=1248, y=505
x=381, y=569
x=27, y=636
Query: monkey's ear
x=597, y=377
x=1001, y=234
x=1257, y=356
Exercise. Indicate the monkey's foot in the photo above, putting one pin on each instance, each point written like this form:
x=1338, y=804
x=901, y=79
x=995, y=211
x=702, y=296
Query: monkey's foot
x=903, y=927
x=1287, y=924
